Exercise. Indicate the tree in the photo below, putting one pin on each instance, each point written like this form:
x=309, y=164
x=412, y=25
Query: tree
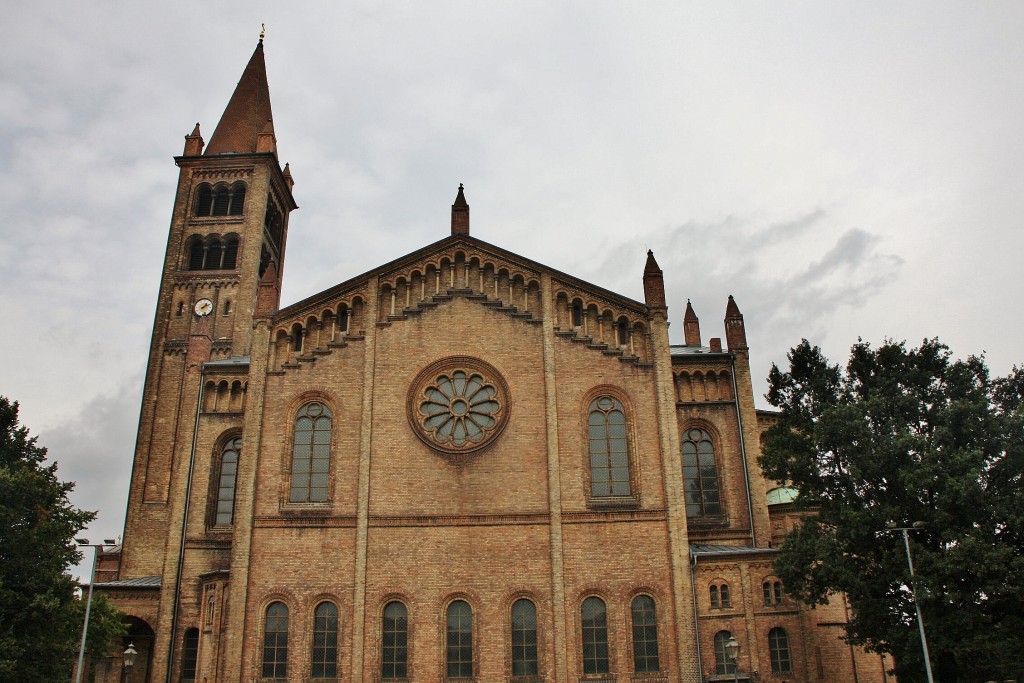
x=40, y=617
x=903, y=436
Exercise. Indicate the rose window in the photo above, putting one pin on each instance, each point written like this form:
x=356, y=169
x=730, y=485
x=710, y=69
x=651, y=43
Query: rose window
x=458, y=405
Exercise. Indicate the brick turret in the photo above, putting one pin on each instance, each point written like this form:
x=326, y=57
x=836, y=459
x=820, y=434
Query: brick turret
x=654, y=283
x=735, y=332
x=691, y=326
x=460, y=214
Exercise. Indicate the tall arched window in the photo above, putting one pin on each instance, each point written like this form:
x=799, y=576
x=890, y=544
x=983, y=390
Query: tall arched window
x=275, y=642
x=394, y=660
x=196, y=253
x=311, y=454
x=459, y=640
x=325, y=641
x=226, y=482
x=713, y=594
x=609, y=452
x=723, y=665
x=189, y=654
x=237, y=199
x=524, y=639
x=778, y=649
x=594, y=622
x=221, y=201
x=700, y=472
x=230, y=259
x=204, y=201
x=214, y=254
x=645, y=635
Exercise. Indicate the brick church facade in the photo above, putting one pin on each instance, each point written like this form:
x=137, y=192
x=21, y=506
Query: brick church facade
x=462, y=465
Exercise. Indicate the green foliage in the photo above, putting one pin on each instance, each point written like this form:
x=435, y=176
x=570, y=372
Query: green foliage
x=40, y=618
x=903, y=436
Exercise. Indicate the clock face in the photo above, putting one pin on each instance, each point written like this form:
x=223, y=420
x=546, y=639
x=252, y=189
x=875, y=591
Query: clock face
x=204, y=307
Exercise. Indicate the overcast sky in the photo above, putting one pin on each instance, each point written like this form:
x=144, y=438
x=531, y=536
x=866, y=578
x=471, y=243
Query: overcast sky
x=843, y=169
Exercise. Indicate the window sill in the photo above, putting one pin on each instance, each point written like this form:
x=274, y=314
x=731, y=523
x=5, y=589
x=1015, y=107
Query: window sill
x=319, y=509
x=614, y=503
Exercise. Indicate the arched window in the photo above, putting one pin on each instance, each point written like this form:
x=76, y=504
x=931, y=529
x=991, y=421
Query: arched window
x=723, y=591
x=214, y=254
x=394, y=660
x=645, y=635
x=196, y=254
x=325, y=641
x=459, y=639
x=700, y=473
x=772, y=592
x=715, y=600
x=723, y=665
x=221, y=201
x=609, y=454
x=204, y=200
x=524, y=639
x=594, y=622
x=189, y=654
x=577, y=314
x=230, y=259
x=778, y=649
x=226, y=482
x=237, y=199
x=275, y=641
x=311, y=454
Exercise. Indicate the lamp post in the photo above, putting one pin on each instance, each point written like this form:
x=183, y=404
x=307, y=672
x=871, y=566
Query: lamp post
x=84, y=543
x=916, y=526
x=732, y=653
x=129, y=660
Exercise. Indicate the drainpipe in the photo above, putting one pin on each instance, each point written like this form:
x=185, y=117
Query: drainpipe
x=743, y=452
x=184, y=525
x=696, y=623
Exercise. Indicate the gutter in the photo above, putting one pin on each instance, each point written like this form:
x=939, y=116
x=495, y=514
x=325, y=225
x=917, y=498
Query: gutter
x=184, y=524
x=743, y=453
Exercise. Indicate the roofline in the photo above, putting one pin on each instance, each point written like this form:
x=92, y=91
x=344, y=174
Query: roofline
x=312, y=301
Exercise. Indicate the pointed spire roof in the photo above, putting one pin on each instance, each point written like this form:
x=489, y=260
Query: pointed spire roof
x=731, y=309
x=652, y=267
x=248, y=110
x=690, y=313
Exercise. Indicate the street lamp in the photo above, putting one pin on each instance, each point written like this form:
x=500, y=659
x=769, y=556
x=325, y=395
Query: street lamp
x=916, y=526
x=129, y=659
x=84, y=542
x=732, y=653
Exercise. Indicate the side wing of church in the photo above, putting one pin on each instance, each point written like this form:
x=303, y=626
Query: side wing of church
x=462, y=465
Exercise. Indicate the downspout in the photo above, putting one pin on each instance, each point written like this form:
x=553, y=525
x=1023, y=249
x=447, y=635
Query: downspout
x=696, y=624
x=743, y=453
x=184, y=525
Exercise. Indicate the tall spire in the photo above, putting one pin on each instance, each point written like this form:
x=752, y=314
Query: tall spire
x=460, y=214
x=248, y=110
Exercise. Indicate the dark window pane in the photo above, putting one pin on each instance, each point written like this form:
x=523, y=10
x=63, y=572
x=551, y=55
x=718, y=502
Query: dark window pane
x=189, y=651
x=645, y=635
x=700, y=474
x=595, y=636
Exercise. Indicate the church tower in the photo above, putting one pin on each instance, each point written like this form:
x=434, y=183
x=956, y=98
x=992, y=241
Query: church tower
x=225, y=251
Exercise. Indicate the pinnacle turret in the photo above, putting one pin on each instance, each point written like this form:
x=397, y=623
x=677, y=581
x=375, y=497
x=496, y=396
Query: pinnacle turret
x=654, y=283
x=460, y=214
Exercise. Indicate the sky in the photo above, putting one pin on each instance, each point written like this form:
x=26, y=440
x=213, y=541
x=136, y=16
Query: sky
x=844, y=169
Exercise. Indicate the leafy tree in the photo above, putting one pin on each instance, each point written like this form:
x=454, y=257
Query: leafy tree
x=903, y=436
x=40, y=618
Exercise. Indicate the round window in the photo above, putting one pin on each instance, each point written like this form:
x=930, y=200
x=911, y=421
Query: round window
x=458, y=405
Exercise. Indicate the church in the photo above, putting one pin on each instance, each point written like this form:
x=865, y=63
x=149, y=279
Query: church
x=462, y=465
